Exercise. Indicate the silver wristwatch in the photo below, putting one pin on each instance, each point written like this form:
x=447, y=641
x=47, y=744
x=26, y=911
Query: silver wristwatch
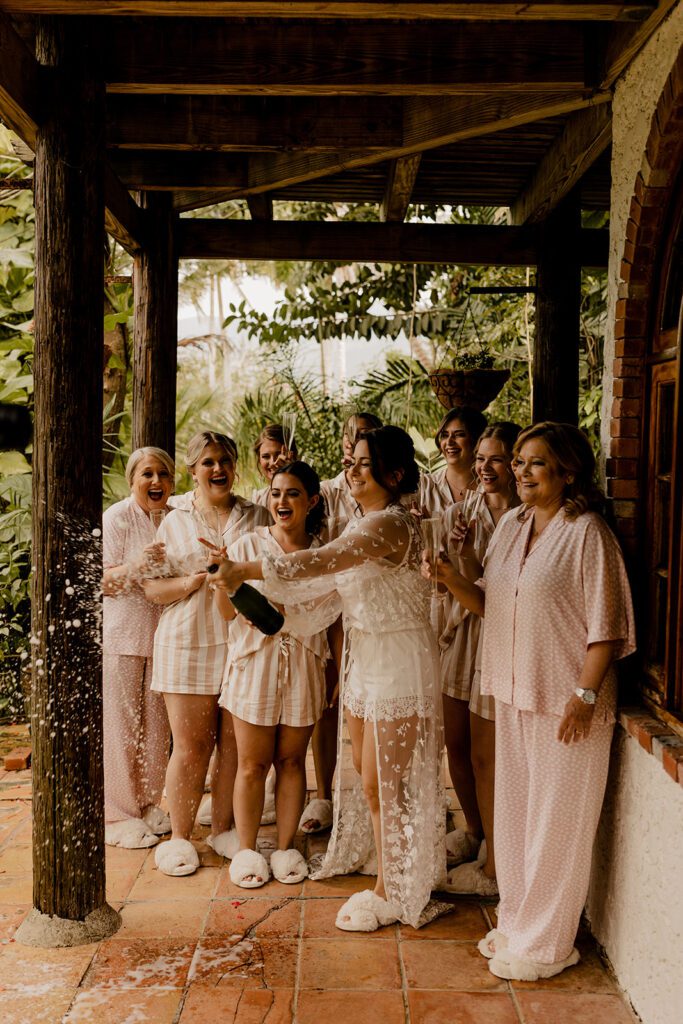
x=587, y=696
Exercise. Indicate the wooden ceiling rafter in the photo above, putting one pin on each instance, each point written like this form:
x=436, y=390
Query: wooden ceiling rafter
x=342, y=241
x=428, y=124
x=399, y=188
x=586, y=135
x=469, y=10
x=21, y=89
x=299, y=58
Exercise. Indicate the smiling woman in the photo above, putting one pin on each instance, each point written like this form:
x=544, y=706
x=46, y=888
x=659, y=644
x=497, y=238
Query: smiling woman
x=191, y=641
x=135, y=724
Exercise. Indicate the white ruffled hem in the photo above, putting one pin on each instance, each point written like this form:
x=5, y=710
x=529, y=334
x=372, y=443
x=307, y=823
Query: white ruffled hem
x=389, y=709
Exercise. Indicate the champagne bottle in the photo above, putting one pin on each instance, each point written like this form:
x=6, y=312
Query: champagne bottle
x=251, y=603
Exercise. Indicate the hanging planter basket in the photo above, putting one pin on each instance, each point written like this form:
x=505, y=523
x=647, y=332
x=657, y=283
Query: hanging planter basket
x=474, y=388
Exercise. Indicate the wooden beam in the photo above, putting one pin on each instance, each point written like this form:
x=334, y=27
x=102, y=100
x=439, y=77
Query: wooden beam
x=20, y=84
x=558, y=307
x=344, y=242
x=155, y=344
x=400, y=180
x=123, y=218
x=149, y=170
x=260, y=206
x=475, y=10
x=66, y=705
x=428, y=124
x=586, y=135
x=248, y=123
x=626, y=40
x=341, y=58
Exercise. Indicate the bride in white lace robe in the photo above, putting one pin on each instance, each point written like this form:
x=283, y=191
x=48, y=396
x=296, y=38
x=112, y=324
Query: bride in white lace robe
x=390, y=679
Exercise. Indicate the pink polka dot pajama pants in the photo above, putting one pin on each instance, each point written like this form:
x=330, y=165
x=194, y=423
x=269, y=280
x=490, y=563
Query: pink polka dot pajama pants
x=136, y=737
x=548, y=798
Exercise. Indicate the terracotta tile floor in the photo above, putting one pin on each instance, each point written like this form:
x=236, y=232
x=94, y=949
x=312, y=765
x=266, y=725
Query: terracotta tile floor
x=197, y=950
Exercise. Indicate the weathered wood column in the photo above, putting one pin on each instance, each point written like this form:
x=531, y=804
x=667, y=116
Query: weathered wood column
x=155, y=359
x=558, y=302
x=66, y=710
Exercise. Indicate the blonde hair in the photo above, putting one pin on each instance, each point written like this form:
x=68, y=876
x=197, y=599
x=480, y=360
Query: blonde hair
x=352, y=425
x=571, y=450
x=198, y=443
x=149, y=451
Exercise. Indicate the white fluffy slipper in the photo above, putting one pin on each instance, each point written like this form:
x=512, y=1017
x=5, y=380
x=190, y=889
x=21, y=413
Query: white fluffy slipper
x=225, y=844
x=288, y=866
x=319, y=811
x=176, y=857
x=492, y=943
x=515, y=968
x=158, y=820
x=249, y=869
x=130, y=834
x=461, y=846
x=204, y=812
x=470, y=878
x=365, y=912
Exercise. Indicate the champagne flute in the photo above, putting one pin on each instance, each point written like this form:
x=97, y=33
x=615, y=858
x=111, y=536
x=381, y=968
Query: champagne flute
x=288, y=428
x=157, y=516
x=431, y=534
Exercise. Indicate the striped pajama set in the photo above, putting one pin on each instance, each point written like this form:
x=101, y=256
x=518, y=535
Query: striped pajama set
x=272, y=680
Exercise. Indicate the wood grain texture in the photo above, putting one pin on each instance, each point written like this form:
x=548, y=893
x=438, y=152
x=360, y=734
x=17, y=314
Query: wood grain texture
x=20, y=84
x=428, y=124
x=558, y=303
x=400, y=181
x=586, y=136
x=145, y=169
x=484, y=10
x=263, y=57
x=626, y=40
x=155, y=333
x=123, y=218
x=392, y=243
x=248, y=123
x=68, y=784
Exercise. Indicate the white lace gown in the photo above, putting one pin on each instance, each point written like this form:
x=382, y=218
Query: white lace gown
x=390, y=678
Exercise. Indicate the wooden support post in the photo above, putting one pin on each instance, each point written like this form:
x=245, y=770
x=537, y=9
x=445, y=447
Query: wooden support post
x=558, y=300
x=155, y=286
x=66, y=711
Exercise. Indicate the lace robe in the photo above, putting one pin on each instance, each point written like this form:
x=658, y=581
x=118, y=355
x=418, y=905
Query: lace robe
x=390, y=678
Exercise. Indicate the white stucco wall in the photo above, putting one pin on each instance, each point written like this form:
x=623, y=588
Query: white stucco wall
x=635, y=98
x=635, y=904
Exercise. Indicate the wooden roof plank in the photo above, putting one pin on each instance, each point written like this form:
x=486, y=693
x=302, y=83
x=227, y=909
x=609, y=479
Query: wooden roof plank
x=123, y=218
x=476, y=10
x=399, y=188
x=586, y=135
x=149, y=170
x=627, y=40
x=341, y=58
x=428, y=124
x=248, y=123
x=20, y=84
x=260, y=207
x=343, y=242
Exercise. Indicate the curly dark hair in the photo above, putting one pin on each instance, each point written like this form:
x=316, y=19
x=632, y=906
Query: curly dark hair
x=391, y=452
x=307, y=476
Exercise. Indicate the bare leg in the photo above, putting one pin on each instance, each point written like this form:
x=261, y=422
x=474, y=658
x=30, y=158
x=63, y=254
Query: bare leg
x=456, y=721
x=223, y=775
x=324, y=741
x=193, y=725
x=290, y=787
x=255, y=747
x=371, y=791
x=483, y=762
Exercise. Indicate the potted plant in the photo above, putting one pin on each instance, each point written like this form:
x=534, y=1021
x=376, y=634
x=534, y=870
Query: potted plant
x=472, y=381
